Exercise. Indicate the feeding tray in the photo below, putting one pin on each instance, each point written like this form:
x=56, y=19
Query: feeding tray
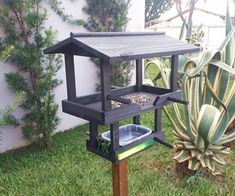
x=128, y=134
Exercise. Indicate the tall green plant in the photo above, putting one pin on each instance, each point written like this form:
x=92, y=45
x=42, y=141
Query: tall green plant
x=23, y=25
x=154, y=8
x=110, y=16
x=212, y=103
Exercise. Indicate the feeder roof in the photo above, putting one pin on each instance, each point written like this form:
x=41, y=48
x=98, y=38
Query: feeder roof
x=121, y=46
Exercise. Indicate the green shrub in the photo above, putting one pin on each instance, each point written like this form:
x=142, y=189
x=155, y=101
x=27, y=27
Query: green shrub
x=23, y=25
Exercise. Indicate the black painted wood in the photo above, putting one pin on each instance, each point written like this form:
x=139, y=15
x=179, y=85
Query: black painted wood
x=127, y=111
x=97, y=97
x=155, y=90
x=158, y=119
x=82, y=111
x=174, y=71
x=119, y=99
x=119, y=47
x=96, y=108
x=136, y=120
x=162, y=100
x=93, y=136
x=70, y=77
x=139, y=74
x=101, y=153
x=160, y=141
x=105, y=76
x=114, y=34
x=89, y=112
x=114, y=134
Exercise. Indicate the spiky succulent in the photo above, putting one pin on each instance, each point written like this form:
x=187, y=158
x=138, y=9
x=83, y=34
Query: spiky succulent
x=205, y=83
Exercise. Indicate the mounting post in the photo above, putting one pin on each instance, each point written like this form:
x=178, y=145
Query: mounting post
x=139, y=76
x=120, y=179
x=93, y=134
x=158, y=119
x=174, y=71
x=70, y=77
x=105, y=76
x=114, y=137
x=136, y=120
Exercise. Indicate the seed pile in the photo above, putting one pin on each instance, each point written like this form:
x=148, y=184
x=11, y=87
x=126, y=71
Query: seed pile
x=137, y=99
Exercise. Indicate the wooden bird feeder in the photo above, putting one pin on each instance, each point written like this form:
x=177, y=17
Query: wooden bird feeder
x=98, y=109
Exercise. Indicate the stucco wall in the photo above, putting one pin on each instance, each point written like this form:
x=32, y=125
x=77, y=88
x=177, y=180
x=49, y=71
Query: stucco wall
x=86, y=71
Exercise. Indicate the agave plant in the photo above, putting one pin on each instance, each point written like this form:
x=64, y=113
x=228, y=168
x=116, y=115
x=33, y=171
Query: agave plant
x=201, y=134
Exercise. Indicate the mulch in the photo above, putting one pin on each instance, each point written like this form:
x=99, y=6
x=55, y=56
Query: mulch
x=231, y=129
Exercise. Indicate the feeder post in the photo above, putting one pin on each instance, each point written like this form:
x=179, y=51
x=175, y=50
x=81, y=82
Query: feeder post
x=158, y=119
x=120, y=179
x=70, y=77
x=174, y=71
x=114, y=137
x=105, y=75
x=139, y=74
x=136, y=120
x=93, y=134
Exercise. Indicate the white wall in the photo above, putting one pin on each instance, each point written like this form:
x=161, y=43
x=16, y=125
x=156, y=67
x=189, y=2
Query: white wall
x=213, y=37
x=11, y=137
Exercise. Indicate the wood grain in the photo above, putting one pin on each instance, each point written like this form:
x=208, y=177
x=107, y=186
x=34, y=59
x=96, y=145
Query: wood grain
x=120, y=179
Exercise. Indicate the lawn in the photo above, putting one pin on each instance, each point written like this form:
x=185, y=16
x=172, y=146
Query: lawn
x=68, y=169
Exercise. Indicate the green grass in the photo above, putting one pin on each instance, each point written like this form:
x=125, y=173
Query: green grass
x=69, y=169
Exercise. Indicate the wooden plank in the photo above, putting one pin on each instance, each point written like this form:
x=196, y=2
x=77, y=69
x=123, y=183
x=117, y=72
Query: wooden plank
x=136, y=120
x=121, y=113
x=150, y=55
x=114, y=34
x=118, y=46
x=57, y=48
x=119, y=99
x=158, y=119
x=120, y=178
x=162, y=100
x=155, y=90
x=70, y=77
x=82, y=111
x=93, y=134
x=99, y=152
x=130, y=47
x=97, y=97
x=114, y=134
x=124, y=90
x=105, y=75
x=174, y=71
x=139, y=74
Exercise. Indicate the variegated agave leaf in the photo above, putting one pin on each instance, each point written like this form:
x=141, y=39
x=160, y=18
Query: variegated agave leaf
x=211, y=108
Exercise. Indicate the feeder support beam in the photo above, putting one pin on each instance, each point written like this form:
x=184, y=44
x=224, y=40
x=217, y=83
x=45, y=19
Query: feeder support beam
x=174, y=71
x=93, y=134
x=70, y=77
x=136, y=120
x=105, y=75
x=120, y=179
x=139, y=72
x=158, y=119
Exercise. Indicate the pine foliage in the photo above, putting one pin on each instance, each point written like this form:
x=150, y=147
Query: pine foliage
x=26, y=36
x=110, y=16
x=154, y=8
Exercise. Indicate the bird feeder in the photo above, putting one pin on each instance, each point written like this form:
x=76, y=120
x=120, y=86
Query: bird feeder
x=120, y=142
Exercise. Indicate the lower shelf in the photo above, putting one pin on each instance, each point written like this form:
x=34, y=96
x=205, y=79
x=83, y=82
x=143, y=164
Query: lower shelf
x=128, y=150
